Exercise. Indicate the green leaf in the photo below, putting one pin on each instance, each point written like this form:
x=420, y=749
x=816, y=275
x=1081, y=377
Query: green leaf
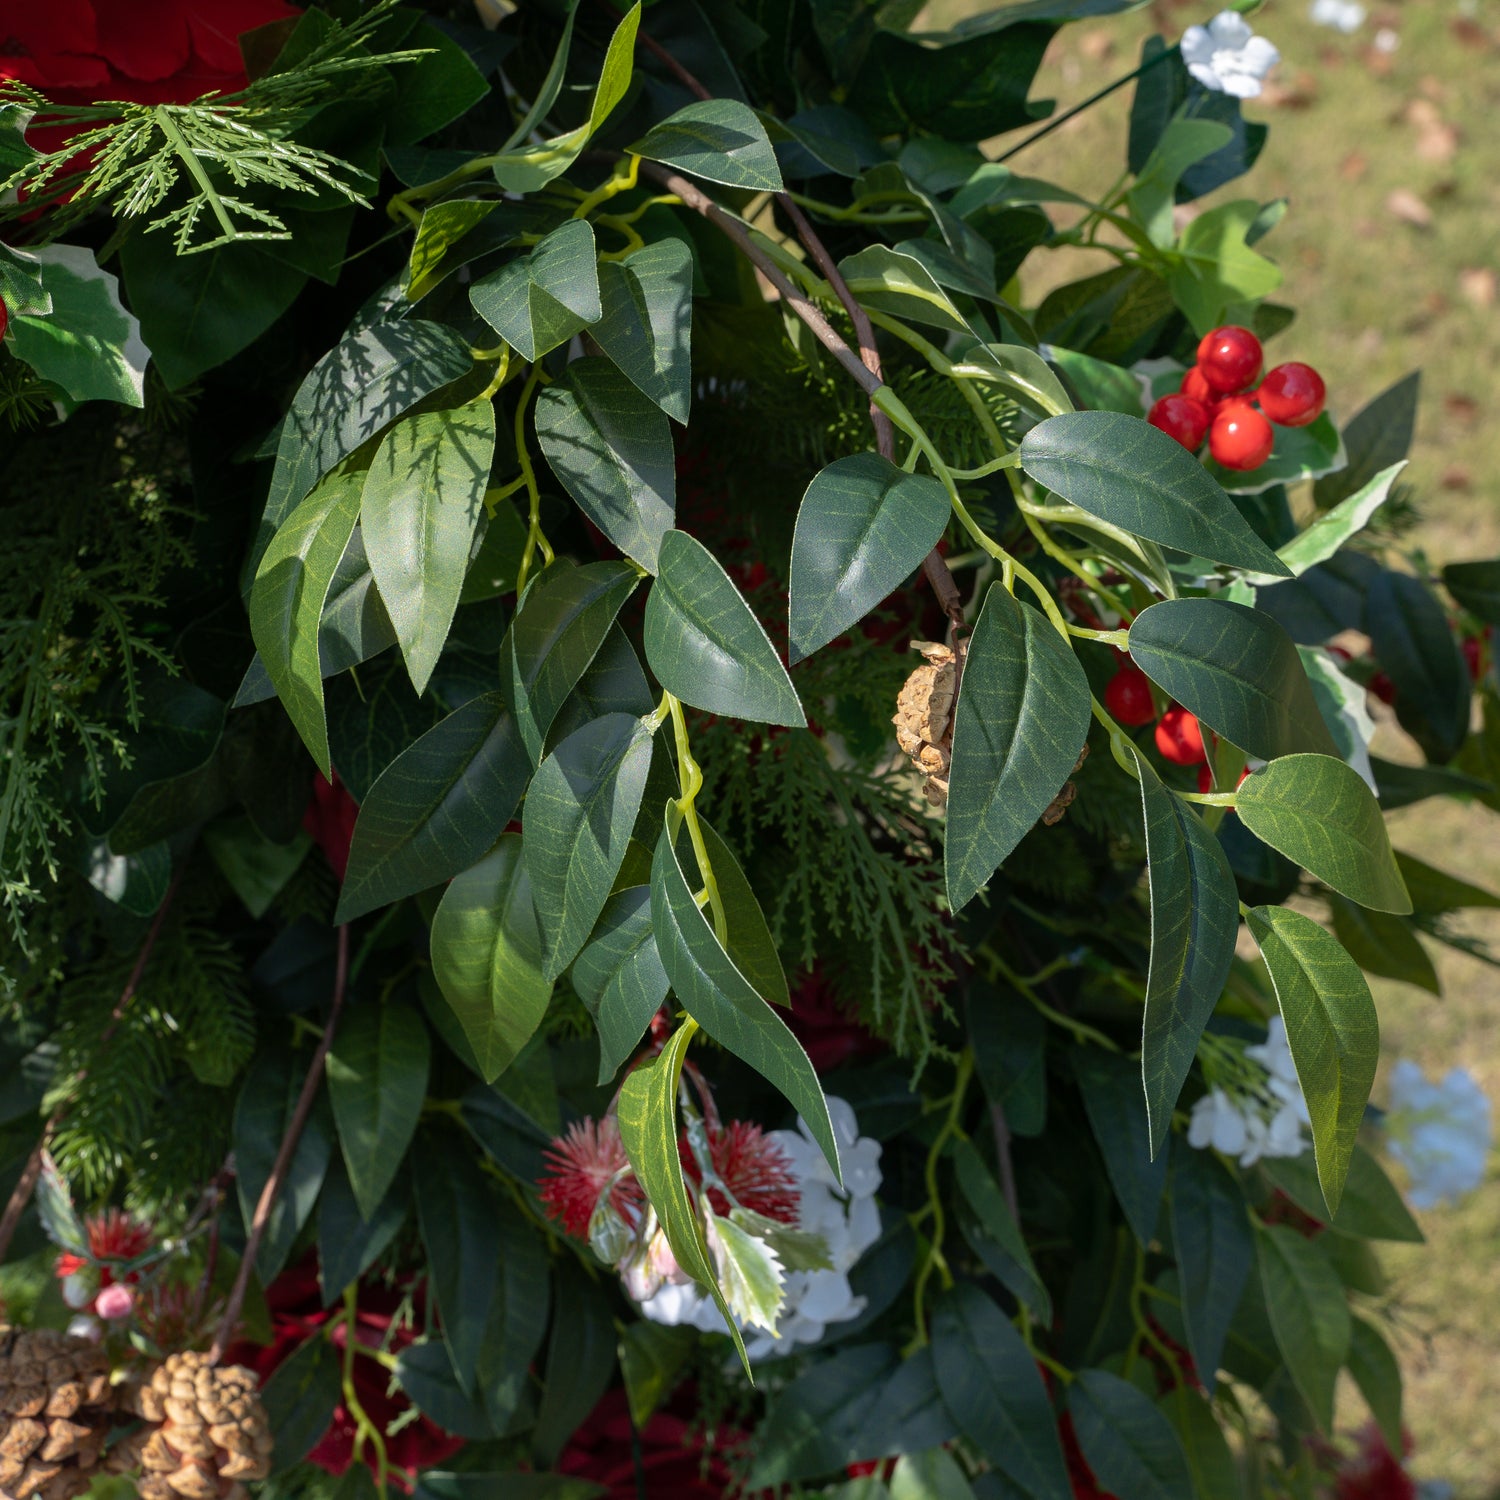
x=1218, y=272
x=893, y=282
x=1194, y=923
x=487, y=957
x=749, y=1273
x=348, y=1244
x=651, y=1358
x=983, y=1195
x=991, y=1387
x=620, y=978
x=21, y=285
x=1378, y=1376
x=1153, y=195
x=1334, y=527
x=256, y=868
x=437, y=807
x=1371, y=1208
x=540, y=300
x=300, y=1398
x=87, y=343
x=1309, y=1314
x=646, y=325
x=1319, y=813
x=1377, y=436
x=1475, y=586
x=1215, y=1251
x=1382, y=944
x=1236, y=669
x=1411, y=638
x=580, y=1360
x=720, y=140
x=377, y=1080
x=750, y=945
x=423, y=497
x=424, y=1370
x=611, y=449
x=1215, y=1473
x=580, y=810
x=706, y=647
x=1124, y=471
x=1128, y=1443
x=648, y=1127
x=1021, y=720
x=514, y=1486
x=435, y=90
x=495, y=563
x=722, y=1000
x=563, y=620
x=1100, y=385
x=1029, y=377
x=933, y=1475
x=443, y=226
x=1435, y=891
x=1111, y=1088
x=863, y=527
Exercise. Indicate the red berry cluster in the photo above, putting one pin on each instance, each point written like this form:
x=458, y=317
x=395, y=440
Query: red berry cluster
x=1179, y=735
x=1218, y=399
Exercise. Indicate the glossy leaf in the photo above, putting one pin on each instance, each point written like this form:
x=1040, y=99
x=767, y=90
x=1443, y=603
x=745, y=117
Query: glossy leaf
x=1309, y=1314
x=1412, y=640
x=1111, y=1088
x=1378, y=1376
x=611, y=449
x=1236, y=669
x=706, y=647
x=1319, y=813
x=580, y=1360
x=1027, y=376
x=1124, y=471
x=1021, y=720
x=1377, y=436
x=863, y=527
x=1128, y=1443
x=751, y=945
x=620, y=978
x=1194, y=923
x=580, y=810
x=1371, y=1208
x=286, y=603
x=720, y=140
x=422, y=500
x=348, y=1243
x=1332, y=528
x=300, y=1398
x=1476, y=587
x=487, y=957
x=377, y=1081
x=890, y=281
x=646, y=324
x=541, y=299
x=985, y=1197
x=437, y=807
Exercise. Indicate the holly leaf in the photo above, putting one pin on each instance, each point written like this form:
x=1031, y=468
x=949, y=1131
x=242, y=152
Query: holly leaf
x=720, y=140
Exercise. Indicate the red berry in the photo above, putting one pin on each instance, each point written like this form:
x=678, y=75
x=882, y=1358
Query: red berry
x=1292, y=394
x=1183, y=418
x=1240, y=437
x=1205, y=779
x=1127, y=697
x=1230, y=359
x=1383, y=687
x=1179, y=737
x=1194, y=385
x=1473, y=649
x=1339, y=653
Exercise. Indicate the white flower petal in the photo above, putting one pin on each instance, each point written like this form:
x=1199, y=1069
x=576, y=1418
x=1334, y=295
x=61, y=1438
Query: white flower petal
x=1230, y=31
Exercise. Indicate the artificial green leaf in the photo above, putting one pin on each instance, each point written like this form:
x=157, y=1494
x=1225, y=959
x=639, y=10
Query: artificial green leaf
x=863, y=527
x=1377, y=436
x=1099, y=384
x=1214, y=1471
x=1153, y=195
x=21, y=286
x=443, y=226
x=750, y=945
x=648, y=1127
x=620, y=978
x=1216, y=270
x=1371, y=1208
x=720, y=140
x=563, y=619
x=894, y=282
x=1194, y=923
x=1111, y=1089
x=1020, y=723
x=1411, y=639
x=984, y=1196
x=1382, y=944
x=437, y=807
x=1319, y=813
x=580, y=1360
x=495, y=562
x=1332, y=528
x=348, y=1243
x=651, y=1358
x=1128, y=1443
x=749, y=1273
x=990, y=1385
x=300, y=1398
x=1124, y=471
x=1236, y=669
x=1309, y=1313
x=1402, y=786
x=718, y=996
x=377, y=1080
x=647, y=320
x=933, y=1475
x=286, y=603
x=1435, y=891
x=422, y=500
x=580, y=810
x=706, y=647
x=1378, y=1376
x=1476, y=588
x=1025, y=375
x=443, y=85
x=611, y=449
x=541, y=299
x=487, y=957
x=424, y=1370
x=517, y=1318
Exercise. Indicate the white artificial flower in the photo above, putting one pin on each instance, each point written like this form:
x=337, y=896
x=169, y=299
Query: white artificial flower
x=1217, y=1122
x=1440, y=1132
x=1227, y=57
x=1264, y=1122
x=1342, y=15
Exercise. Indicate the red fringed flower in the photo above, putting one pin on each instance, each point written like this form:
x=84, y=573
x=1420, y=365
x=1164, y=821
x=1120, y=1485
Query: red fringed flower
x=586, y=1162
x=113, y=1236
x=752, y=1166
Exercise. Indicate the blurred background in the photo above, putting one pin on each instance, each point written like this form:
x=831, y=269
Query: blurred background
x=1385, y=137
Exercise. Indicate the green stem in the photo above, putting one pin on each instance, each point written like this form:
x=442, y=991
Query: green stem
x=364, y=1428
x=933, y=1259
x=534, y=536
x=690, y=780
x=999, y=969
x=168, y=128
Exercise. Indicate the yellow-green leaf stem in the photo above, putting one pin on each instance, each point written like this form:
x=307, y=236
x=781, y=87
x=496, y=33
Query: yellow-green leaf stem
x=690, y=780
x=535, y=538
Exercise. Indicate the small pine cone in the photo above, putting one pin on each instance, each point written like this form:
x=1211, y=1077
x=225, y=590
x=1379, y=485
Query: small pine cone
x=924, y=716
x=56, y=1405
x=207, y=1431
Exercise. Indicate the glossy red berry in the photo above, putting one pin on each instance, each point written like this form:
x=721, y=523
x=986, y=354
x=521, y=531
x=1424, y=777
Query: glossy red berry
x=1240, y=438
x=1127, y=697
x=1183, y=418
x=1205, y=779
x=1179, y=737
x=1230, y=359
x=1292, y=394
x=1383, y=687
x=1194, y=385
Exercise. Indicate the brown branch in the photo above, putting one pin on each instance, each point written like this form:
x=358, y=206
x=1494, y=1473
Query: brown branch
x=284, y=1154
x=1000, y=1127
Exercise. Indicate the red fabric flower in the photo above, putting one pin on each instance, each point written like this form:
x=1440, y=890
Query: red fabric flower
x=1080, y=1475
x=330, y=817
x=752, y=1166
x=51, y=46
x=829, y=1034
x=586, y=1162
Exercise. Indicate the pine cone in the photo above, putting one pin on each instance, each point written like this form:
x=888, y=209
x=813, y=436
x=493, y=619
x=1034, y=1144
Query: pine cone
x=55, y=1410
x=209, y=1432
x=924, y=716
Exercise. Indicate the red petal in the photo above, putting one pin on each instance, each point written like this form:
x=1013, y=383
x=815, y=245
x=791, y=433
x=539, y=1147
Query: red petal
x=217, y=26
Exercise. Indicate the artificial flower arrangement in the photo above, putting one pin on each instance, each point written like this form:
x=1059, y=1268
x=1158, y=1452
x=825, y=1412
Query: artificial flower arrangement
x=646, y=823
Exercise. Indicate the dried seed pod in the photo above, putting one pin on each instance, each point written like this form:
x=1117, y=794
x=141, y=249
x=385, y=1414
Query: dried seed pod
x=924, y=716
x=56, y=1402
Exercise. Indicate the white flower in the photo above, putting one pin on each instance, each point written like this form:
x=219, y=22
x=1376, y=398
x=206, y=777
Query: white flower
x=1216, y=1121
x=1227, y=57
x=1342, y=15
x=1262, y=1122
x=1440, y=1132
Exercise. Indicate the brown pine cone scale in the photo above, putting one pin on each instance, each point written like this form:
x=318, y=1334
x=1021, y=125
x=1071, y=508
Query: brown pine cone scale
x=56, y=1406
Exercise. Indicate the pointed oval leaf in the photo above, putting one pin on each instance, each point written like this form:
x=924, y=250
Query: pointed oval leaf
x=863, y=527
x=983, y=1194
x=611, y=449
x=349, y=1244
x=706, y=647
x=1129, y=1444
x=1332, y=528
x=1376, y=436
x=423, y=497
x=751, y=945
x=1332, y=1029
x=1476, y=587
x=620, y=978
x=1021, y=720
x=300, y=1398
x=1236, y=669
x=487, y=957
x=1111, y=1089
x=580, y=809
x=1215, y=1472
x=1124, y=471
x=1319, y=813
x=1378, y=1376
x=540, y=300
x=647, y=321
x=720, y=140
x=1371, y=1208
x=1309, y=1314
x=1411, y=639
x=719, y=997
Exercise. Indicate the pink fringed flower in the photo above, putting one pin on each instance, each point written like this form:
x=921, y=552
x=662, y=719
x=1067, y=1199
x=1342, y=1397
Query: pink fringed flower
x=752, y=1166
x=586, y=1162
